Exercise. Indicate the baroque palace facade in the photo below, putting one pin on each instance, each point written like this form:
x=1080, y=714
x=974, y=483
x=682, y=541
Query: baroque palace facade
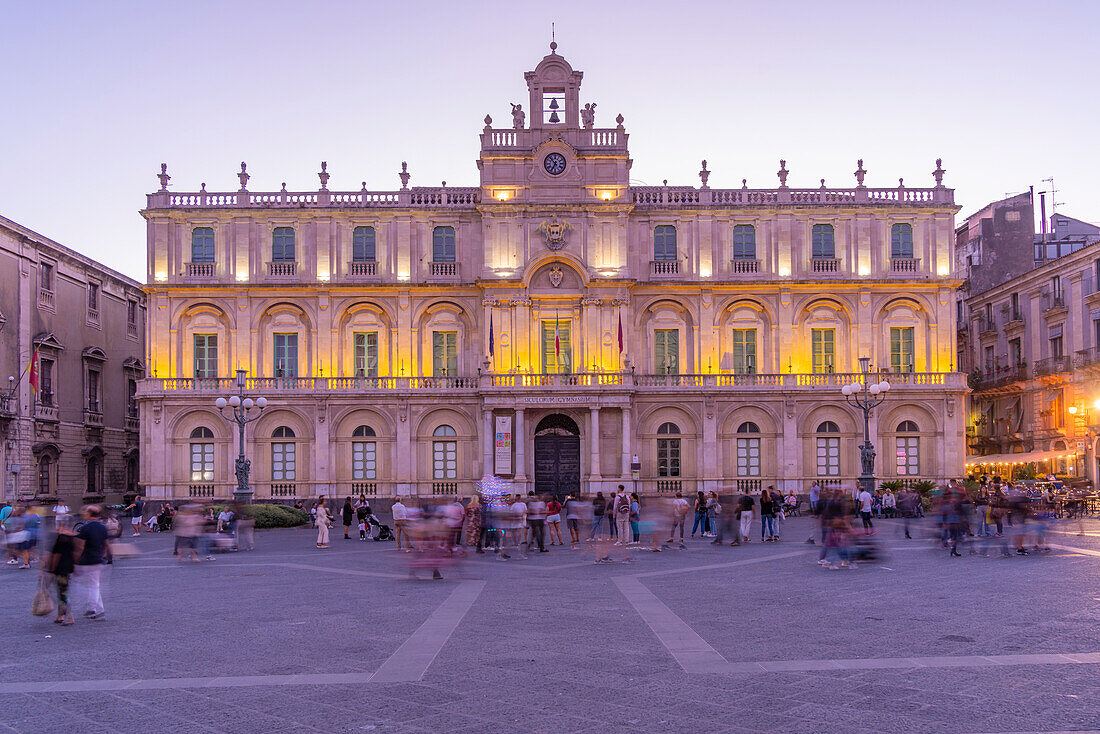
x=555, y=325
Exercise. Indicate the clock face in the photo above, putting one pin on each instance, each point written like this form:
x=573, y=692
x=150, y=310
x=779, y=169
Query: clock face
x=554, y=163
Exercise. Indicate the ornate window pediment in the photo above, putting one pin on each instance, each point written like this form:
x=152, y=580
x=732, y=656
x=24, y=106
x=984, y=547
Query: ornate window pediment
x=94, y=353
x=46, y=340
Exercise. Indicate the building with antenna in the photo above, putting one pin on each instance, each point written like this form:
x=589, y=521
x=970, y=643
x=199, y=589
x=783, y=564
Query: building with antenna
x=553, y=324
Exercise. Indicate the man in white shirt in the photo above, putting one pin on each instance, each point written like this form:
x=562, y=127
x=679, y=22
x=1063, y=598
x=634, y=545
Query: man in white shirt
x=865, y=500
x=60, y=511
x=401, y=523
x=889, y=503
x=518, y=521
x=679, y=514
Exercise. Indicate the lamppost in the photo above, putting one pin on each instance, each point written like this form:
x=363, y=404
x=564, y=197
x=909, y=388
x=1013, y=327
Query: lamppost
x=866, y=397
x=241, y=407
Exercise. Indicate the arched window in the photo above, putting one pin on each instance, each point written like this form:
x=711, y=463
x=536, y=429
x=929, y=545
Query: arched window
x=668, y=450
x=901, y=241
x=94, y=477
x=45, y=466
x=907, y=450
x=282, y=245
x=664, y=243
x=822, y=242
x=748, y=450
x=744, y=242
x=362, y=245
x=283, y=456
x=364, y=454
x=202, y=455
x=443, y=245
x=828, y=450
x=444, y=453
x=202, y=245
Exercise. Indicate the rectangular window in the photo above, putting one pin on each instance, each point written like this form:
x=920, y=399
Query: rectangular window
x=444, y=353
x=1056, y=287
x=362, y=245
x=364, y=459
x=93, y=390
x=283, y=468
x=282, y=245
x=748, y=457
x=1015, y=352
x=44, y=476
x=666, y=351
x=908, y=456
x=822, y=243
x=989, y=315
x=823, y=350
x=1096, y=334
x=131, y=398
x=443, y=245
x=989, y=360
x=45, y=381
x=901, y=349
x=1014, y=307
x=45, y=276
x=828, y=457
x=202, y=462
x=668, y=457
x=744, y=351
x=366, y=353
x=286, y=355
x=206, y=356
x=93, y=297
x=131, y=313
x=1056, y=347
x=744, y=242
x=557, y=351
x=664, y=243
x=444, y=460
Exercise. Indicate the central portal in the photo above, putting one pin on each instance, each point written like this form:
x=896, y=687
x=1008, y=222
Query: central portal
x=557, y=456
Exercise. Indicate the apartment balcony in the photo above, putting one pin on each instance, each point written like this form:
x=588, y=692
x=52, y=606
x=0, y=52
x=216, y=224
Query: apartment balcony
x=664, y=268
x=987, y=329
x=282, y=269
x=133, y=424
x=1014, y=320
x=745, y=267
x=537, y=388
x=363, y=269
x=201, y=271
x=905, y=265
x=825, y=265
x=7, y=409
x=1052, y=366
x=444, y=270
x=1054, y=306
x=45, y=412
x=1000, y=375
x=93, y=416
x=1087, y=359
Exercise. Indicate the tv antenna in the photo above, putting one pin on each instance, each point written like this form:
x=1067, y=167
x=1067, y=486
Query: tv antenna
x=1053, y=204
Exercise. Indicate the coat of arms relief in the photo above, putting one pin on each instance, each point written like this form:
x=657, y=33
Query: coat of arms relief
x=554, y=230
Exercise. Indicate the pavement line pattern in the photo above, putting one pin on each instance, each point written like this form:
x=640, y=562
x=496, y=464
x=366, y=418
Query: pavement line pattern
x=744, y=562
x=411, y=660
x=954, y=661
x=690, y=650
x=1083, y=551
x=345, y=571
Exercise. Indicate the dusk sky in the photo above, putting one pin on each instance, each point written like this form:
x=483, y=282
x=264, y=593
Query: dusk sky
x=100, y=94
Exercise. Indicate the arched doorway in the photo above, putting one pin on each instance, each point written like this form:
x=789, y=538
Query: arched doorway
x=557, y=456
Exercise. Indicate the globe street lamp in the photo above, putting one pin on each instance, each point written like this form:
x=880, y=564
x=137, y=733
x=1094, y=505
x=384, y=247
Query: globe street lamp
x=241, y=408
x=866, y=397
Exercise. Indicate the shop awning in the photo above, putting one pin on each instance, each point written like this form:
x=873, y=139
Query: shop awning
x=1024, y=458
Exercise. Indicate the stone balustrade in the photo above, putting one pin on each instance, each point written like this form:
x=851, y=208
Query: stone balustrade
x=680, y=196
x=200, y=270
x=510, y=141
x=362, y=269
x=430, y=197
x=825, y=265
x=904, y=264
x=741, y=267
x=490, y=383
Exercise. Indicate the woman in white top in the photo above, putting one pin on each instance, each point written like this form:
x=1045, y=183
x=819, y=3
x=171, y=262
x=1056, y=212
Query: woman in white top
x=323, y=520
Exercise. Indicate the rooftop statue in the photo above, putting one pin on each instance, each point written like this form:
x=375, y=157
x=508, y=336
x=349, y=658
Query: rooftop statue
x=518, y=116
x=588, y=115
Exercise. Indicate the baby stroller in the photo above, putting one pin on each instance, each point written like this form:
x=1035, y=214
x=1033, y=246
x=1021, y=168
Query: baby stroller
x=380, y=531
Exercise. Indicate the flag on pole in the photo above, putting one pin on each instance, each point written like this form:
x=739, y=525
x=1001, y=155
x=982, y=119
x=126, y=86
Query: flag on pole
x=557, y=343
x=620, y=332
x=34, y=370
x=491, y=345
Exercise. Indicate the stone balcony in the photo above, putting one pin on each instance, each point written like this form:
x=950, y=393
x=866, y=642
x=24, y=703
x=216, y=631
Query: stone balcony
x=200, y=271
x=1053, y=365
x=904, y=264
x=427, y=197
x=443, y=270
x=45, y=412
x=664, y=268
x=542, y=384
x=743, y=267
x=822, y=265
x=363, y=269
x=282, y=269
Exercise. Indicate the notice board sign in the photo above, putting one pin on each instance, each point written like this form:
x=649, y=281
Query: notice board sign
x=502, y=445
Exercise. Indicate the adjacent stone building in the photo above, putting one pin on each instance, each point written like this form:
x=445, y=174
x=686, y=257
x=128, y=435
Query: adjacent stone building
x=76, y=438
x=555, y=325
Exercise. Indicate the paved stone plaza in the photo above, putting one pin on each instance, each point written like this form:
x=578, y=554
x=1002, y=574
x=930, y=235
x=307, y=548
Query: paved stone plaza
x=756, y=638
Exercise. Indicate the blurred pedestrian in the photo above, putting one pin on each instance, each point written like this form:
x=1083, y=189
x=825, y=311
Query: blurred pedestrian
x=188, y=527
x=401, y=523
x=767, y=517
x=621, y=513
x=472, y=522
x=865, y=501
x=573, y=509
x=599, y=507
x=678, y=511
x=700, y=514
x=60, y=564
x=635, y=518
x=92, y=551
x=745, y=506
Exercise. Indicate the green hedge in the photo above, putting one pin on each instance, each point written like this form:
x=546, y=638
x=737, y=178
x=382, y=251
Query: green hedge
x=273, y=516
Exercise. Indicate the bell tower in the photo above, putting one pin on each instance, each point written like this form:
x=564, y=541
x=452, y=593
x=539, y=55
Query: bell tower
x=555, y=93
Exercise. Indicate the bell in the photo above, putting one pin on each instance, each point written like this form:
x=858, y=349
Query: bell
x=554, y=104
x=554, y=117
